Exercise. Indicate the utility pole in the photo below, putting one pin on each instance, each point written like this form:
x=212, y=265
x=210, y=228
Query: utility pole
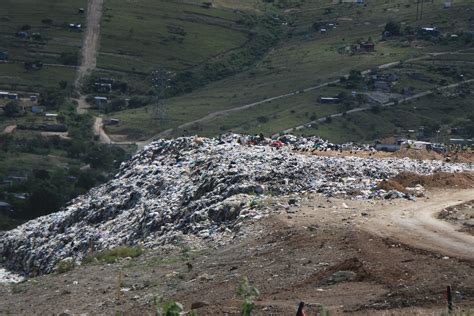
x=421, y=10
x=417, y=8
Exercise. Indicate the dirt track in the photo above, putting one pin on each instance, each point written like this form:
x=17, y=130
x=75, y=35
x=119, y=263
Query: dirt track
x=99, y=130
x=415, y=224
x=289, y=257
x=9, y=129
x=90, y=47
x=90, y=44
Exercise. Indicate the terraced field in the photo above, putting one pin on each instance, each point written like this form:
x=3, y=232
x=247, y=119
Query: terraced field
x=48, y=38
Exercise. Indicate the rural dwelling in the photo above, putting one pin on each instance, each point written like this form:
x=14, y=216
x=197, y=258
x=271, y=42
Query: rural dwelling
x=21, y=34
x=61, y=128
x=5, y=207
x=383, y=86
x=13, y=96
x=103, y=87
x=36, y=109
x=347, y=1
x=3, y=56
x=100, y=101
x=462, y=141
x=416, y=144
x=112, y=122
x=329, y=100
x=387, y=147
x=367, y=47
x=4, y=95
x=429, y=31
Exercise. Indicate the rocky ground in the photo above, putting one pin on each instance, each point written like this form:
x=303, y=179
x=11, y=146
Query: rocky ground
x=461, y=215
x=200, y=187
x=350, y=233
x=319, y=252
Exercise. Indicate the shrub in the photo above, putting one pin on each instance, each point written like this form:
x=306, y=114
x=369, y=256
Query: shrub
x=112, y=255
x=249, y=294
x=65, y=266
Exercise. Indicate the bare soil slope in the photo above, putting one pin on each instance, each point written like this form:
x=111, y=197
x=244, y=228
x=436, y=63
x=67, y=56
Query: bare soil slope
x=361, y=257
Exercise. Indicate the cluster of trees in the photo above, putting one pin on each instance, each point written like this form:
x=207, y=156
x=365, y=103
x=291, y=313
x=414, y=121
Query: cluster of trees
x=49, y=189
x=285, y=4
x=265, y=33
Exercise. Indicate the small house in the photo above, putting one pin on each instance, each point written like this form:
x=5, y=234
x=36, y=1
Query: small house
x=51, y=115
x=3, y=56
x=103, y=87
x=429, y=31
x=461, y=141
x=112, y=122
x=21, y=34
x=367, y=47
x=13, y=96
x=81, y=11
x=4, y=95
x=33, y=98
x=105, y=80
x=36, y=109
x=100, y=101
x=387, y=147
x=5, y=207
x=55, y=128
x=383, y=86
x=329, y=100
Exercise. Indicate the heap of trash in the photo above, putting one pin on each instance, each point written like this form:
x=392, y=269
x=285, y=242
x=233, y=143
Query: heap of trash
x=194, y=187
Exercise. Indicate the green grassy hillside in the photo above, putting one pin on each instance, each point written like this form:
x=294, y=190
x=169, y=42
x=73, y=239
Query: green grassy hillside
x=48, y=39
x=303, y=58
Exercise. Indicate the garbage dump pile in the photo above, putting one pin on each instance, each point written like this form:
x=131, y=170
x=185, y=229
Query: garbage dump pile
x=195, y=187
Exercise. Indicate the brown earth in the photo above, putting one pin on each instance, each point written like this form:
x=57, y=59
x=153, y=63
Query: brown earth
x=403, y=180
x=461, y=215
x=418, y=154
x=325, y=252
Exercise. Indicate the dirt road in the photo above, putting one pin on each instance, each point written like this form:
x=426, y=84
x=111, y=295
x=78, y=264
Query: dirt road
x=9, y=129
x=99, y=130
x=213, y=115
x=416, y=225
x=90, y=44
x=368, y=106
x=90, y=47
x=290, y=256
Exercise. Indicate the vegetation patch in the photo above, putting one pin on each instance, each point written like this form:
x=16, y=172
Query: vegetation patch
x=114, y=254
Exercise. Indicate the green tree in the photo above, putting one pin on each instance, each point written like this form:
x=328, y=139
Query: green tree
x=392, y=27
x=12, y=109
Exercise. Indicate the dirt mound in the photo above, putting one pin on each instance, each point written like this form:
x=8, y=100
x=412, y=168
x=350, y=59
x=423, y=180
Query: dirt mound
x=350, y=270
x=419, y=154
x=463, y=180
x=389, y=185
x=462, y=157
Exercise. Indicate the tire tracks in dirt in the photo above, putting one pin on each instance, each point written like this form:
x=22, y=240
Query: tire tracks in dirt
x=416, y=225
